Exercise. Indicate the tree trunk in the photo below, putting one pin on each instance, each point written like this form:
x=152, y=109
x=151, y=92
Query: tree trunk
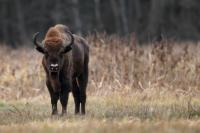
x=98, y=14
x=4, y=21
x=116, y=15
x=123, y=17
x=138, y=14
x=57, y=14
x=76, y=15
x=21, y=22
x=155, y=17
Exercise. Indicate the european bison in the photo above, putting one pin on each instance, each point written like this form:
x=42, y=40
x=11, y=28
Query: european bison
x=65, y=62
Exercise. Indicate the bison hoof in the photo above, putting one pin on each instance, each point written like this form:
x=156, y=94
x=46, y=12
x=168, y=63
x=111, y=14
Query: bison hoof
x=83, y=113
x=54, y=113
x=63, y=113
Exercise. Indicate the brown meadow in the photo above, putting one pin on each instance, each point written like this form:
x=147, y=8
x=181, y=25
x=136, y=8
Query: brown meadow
x=132, y=88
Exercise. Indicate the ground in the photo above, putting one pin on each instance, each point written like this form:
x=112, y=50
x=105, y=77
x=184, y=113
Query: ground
x=104, y=114
x=132, y=88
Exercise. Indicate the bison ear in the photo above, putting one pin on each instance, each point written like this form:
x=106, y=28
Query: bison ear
x=41, y=50
x=67, y=49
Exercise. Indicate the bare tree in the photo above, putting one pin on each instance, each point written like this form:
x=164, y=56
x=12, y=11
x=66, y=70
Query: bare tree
x=116, y=15
x=20, y=18
x=98, y=14
x=4, y=20
x=138, y=16
x=155, y=17
x=21, y=22
x=123, y=17
x=57, y=13
x=76, y=15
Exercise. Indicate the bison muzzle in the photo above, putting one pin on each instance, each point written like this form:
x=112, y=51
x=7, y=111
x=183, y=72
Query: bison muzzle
x=65, y=62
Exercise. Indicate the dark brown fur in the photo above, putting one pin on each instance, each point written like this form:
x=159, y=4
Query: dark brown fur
x=73, y=68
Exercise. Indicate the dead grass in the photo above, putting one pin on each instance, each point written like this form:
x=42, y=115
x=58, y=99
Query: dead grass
x=132, y=88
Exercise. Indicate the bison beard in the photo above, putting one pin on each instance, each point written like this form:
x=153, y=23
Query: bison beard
x=72, y=60
x=55, y=81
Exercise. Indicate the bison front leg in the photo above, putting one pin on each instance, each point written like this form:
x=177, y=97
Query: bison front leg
x=54, y=98
x=64, y=94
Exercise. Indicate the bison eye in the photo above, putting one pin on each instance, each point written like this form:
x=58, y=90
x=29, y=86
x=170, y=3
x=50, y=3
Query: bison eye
x=60, y=54
x=46, y=54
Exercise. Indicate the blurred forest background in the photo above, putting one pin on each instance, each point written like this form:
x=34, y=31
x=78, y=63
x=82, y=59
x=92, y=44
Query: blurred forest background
x=177, y=19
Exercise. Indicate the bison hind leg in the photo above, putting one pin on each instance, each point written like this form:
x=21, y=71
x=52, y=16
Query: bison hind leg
x=76, y=95
x=82, y=82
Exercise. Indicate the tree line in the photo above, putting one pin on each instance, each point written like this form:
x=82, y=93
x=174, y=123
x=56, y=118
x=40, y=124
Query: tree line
x=19, y=19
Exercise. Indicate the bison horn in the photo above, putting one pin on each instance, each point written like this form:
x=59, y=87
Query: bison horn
x=72, y=38
x=69, y=46
x=38, y=45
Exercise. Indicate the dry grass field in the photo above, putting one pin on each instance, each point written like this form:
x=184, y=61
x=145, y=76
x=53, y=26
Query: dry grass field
x=132, y=88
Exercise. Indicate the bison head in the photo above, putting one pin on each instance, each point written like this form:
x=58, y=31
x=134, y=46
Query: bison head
x=54, y=46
